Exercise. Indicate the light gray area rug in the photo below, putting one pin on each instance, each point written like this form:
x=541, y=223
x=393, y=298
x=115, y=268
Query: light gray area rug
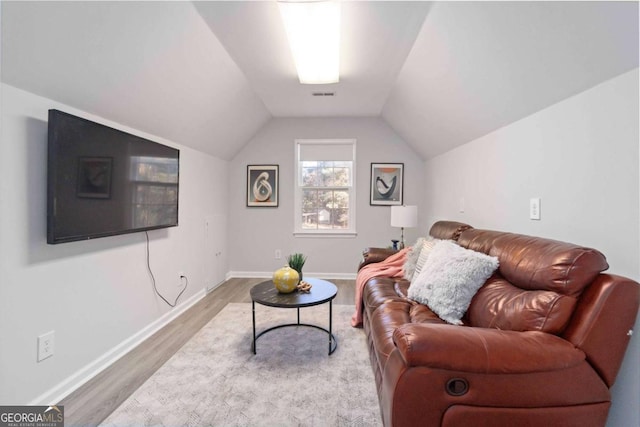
x=215, y=379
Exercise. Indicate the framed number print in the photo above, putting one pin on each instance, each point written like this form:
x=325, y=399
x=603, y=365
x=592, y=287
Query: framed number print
x=262, y=185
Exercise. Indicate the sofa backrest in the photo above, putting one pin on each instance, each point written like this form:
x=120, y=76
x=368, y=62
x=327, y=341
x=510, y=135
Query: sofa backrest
x=535, y=263
x=537, y=284
x=448, y=230
x=555, y=287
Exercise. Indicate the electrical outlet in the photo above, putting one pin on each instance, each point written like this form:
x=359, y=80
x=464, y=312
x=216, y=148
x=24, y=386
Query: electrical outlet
x=278, y=254
x=46, y=345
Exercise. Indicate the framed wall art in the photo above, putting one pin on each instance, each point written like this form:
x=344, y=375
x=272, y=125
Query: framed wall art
x=387, y=182
x=94, y=177
x=262, y=185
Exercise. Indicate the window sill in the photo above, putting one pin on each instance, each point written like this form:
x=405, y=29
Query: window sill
x=325, y=234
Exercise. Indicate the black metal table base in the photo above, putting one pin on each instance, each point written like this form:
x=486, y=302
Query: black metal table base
x=333, y=343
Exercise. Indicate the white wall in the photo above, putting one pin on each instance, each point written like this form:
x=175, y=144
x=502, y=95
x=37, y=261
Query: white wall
x=255, y=233
x=95, y=294
x=580, y=157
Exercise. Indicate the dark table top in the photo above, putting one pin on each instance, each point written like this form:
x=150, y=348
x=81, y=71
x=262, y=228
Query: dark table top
x=265, y=293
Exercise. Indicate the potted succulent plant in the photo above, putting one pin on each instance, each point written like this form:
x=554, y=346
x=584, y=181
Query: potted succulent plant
x=296, y=261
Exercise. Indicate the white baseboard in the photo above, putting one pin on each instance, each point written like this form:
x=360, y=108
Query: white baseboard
x=72, y=383
x=269, y=274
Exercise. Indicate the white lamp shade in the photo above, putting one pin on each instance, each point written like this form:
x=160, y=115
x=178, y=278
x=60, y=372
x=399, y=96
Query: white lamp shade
x=404, y=216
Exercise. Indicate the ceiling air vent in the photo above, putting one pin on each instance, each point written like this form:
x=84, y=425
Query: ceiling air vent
x=323, y=93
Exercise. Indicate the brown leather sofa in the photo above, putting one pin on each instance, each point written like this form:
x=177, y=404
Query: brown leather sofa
x=541, y=344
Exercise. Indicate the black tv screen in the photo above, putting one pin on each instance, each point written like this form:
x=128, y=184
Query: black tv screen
x=103, y=181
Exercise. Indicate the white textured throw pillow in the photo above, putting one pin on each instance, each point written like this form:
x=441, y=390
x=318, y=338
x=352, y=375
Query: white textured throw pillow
x=409, y=266
x=450, y=278
x=427, y=247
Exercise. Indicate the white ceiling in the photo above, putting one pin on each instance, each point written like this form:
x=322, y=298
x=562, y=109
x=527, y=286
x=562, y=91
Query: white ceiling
x=478, y=66
x=154, y=66
x=376, y=38
x=210, y=74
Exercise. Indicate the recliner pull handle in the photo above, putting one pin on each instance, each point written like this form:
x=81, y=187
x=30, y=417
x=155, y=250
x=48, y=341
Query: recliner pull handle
x=457, y=386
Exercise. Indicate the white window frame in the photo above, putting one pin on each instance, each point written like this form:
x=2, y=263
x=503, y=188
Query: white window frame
x=297, y=192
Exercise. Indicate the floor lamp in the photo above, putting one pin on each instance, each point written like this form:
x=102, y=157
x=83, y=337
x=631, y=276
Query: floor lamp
x=404, y=217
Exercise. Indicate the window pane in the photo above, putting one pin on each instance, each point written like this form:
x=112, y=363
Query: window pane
x=326, y=174
x=310, y=209
x=324, y=214
x=341, y=177
x=310, y=200
x=340, y=211
x=309, y=176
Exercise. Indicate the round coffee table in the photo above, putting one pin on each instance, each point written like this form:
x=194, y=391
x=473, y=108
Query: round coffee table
x=322, y=291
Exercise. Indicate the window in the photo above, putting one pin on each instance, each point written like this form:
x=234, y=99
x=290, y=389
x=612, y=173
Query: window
x=325, y=195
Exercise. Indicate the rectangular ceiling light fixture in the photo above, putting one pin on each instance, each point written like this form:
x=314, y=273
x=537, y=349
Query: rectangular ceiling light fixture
x=313, y=30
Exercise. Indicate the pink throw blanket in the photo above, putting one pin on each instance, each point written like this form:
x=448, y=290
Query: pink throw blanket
x=390, y=267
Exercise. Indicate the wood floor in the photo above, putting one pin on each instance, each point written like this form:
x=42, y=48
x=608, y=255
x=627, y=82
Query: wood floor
x=94, y=401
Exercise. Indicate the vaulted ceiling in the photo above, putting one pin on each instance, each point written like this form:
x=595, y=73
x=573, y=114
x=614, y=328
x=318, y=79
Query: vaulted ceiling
x=210, y=74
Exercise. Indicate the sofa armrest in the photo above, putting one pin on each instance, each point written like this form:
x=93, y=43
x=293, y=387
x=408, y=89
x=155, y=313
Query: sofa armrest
x=373, y=255
x=483, y=350
x=603, y=322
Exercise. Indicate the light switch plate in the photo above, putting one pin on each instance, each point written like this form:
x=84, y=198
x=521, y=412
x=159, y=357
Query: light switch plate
x=534, y=208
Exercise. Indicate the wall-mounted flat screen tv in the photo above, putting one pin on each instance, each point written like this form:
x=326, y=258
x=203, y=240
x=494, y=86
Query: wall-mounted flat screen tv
x=103, y=181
